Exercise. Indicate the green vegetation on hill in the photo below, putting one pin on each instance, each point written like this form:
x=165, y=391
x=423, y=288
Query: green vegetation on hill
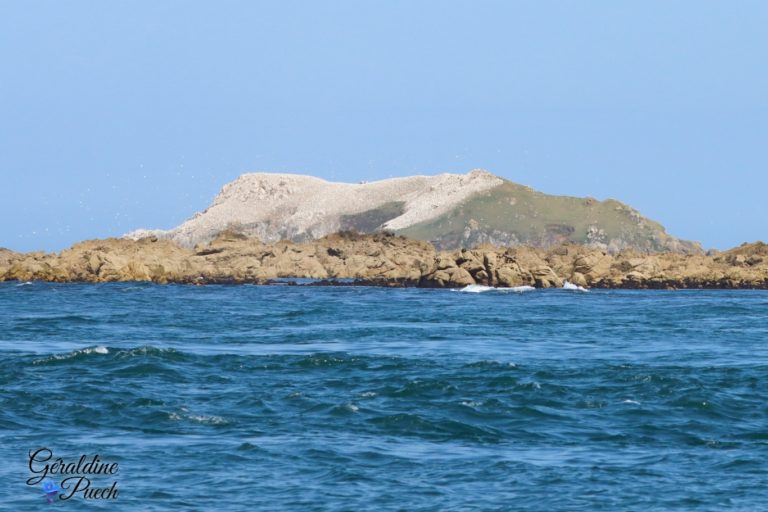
x=512, y=214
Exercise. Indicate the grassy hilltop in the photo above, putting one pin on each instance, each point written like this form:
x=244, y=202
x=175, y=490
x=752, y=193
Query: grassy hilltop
x=513, y=214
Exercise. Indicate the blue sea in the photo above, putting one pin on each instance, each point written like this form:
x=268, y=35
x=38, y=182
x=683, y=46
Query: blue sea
x=358, y=398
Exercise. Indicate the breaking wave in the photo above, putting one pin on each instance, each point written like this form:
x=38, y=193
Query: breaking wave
x=479, y=288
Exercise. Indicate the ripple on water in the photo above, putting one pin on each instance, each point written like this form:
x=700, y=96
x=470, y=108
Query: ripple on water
x=372, y=399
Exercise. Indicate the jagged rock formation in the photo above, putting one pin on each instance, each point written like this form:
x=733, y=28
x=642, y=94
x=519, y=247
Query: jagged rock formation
x=385, y=259
x=449, y=210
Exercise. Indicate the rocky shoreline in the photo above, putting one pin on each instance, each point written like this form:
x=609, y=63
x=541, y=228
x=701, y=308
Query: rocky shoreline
x=383, y=259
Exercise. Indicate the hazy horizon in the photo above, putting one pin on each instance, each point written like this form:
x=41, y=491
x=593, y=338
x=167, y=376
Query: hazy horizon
x=115, y=117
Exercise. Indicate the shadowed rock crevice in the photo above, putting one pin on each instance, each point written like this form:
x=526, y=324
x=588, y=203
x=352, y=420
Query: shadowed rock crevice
x=373, y=219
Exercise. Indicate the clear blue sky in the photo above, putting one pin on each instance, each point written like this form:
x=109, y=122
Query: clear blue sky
x=119, y=115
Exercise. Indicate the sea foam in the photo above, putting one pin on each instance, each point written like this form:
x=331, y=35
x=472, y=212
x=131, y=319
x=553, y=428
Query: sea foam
x=479, y=288
x=573, y=287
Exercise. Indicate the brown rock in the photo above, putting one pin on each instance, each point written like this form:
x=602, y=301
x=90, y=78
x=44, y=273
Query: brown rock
x=545, y=277
x=578, y=279
x=383, y=257
x=452, y=277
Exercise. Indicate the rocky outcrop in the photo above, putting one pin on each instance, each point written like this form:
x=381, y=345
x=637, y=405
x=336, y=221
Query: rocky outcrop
x=274, y=207
x=386, y=259
x=451, y=211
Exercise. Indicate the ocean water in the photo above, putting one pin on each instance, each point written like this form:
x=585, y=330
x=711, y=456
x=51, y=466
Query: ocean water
x=356, y=398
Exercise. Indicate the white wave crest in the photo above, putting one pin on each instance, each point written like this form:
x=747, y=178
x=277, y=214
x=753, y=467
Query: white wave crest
x=479, y=288
x=69, y=355
x=573, y=287
x=198, y=418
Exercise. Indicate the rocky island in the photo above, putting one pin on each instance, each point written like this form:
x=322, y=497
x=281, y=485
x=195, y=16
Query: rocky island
x=440, y=231
x=385, y=259
x=451, y=211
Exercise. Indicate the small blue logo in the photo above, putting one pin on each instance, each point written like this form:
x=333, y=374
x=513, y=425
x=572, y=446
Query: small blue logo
x=50, y=489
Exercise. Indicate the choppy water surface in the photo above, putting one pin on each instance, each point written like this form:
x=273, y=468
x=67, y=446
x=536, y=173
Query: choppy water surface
x=339, y=398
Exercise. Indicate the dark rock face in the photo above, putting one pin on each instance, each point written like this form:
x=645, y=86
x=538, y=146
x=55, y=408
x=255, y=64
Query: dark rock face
x=385, y=259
